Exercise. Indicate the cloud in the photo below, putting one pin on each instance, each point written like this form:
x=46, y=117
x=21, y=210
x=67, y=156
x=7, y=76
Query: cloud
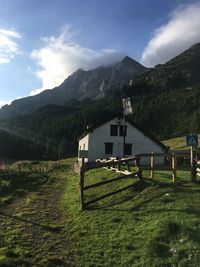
x=37, y=91
x=8, y=45
x=3, y=103
x=181, y=32
x=60, y=56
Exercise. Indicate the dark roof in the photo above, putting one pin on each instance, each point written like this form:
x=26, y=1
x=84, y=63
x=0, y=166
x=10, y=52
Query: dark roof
x=141, y=129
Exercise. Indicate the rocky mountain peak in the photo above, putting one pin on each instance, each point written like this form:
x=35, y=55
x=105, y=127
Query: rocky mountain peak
x=80, y=85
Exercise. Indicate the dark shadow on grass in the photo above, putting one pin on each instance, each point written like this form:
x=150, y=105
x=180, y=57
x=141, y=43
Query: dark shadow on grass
x=55, y=229
x=136, y=190
x=189, y=211
x=139, y=188
x=21, y=185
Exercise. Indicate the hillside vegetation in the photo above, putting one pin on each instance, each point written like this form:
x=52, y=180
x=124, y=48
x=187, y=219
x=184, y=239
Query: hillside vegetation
x=154, y=224
x=179, y=72
x=165, y=100
x=177, y=143
x=52, y=131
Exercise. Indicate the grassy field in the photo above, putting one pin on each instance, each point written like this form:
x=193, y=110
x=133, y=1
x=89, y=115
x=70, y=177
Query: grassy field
x=177, y=143
x=154, y=224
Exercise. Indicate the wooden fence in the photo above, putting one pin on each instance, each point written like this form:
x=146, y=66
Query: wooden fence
x=170, y=157
x=113, y=164
x=197, y=167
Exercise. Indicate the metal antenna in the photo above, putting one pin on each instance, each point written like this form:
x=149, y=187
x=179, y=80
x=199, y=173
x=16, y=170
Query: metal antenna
x=127, y=109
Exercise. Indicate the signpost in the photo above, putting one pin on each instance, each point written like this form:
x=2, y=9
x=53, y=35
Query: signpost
x=192, y=141
x=127, y=109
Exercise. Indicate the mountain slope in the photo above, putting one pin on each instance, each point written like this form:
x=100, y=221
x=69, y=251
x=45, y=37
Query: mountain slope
x=180, y=72
x=81, y=84
x=52, y=131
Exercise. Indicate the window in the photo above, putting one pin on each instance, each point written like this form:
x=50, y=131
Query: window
x=109, y=148
x=121, y=130
x=113, y=130
x=128, y=149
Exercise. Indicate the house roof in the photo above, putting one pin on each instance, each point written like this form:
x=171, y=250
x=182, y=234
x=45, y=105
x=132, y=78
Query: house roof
x=120, y=116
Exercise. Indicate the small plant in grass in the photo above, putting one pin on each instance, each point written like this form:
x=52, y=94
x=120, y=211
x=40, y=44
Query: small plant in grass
x=174, y=243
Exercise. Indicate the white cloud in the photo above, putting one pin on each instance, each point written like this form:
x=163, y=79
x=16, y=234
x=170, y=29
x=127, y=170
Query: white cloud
x=181, y=32
x=59, y=57
x=36, y=91
x=8, y=45
x=3, y=102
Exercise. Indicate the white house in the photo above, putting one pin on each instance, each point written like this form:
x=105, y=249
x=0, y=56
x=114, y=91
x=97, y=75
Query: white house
x=106, y=140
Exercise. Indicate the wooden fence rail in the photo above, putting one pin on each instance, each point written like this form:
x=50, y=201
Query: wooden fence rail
x=197, y=167
x=173, y=157
x=153, y=167
x=115, y=165
x=109, y=164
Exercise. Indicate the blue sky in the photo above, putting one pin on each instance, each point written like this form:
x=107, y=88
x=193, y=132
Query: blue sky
x=44, y=41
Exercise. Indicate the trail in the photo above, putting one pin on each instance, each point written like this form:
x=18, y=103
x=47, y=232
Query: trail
x=32, y=226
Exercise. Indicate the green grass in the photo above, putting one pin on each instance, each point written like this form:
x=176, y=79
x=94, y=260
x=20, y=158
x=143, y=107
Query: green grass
x=154, y=224
x=31, y=231
x=177, y=143
x=151, y=225
x=22, y=177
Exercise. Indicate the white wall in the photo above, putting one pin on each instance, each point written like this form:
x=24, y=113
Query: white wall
x=83, y=144
x=101, y=135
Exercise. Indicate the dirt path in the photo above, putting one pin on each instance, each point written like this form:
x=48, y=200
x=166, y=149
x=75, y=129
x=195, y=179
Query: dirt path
x=31, y=228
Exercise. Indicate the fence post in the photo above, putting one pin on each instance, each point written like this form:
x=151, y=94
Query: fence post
x=197, y=169
x=119, y=165
x=113, y=165
x=128, y=166
x=193, y=165
x=174, y=164
x=82, y=171
x=152, y=165
x=139, y=169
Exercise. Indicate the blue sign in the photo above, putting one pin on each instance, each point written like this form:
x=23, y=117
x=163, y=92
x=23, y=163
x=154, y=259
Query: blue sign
x=192, y=140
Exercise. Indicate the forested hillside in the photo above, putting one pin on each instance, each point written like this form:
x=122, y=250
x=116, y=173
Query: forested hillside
x=52, y=131
x=165, y=100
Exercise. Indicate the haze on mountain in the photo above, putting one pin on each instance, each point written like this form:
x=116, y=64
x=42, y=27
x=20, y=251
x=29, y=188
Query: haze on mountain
x=165, y=99
x=80, y=85
x=180, y=72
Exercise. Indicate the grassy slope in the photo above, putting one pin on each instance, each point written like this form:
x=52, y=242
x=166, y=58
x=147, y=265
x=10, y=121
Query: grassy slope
x=154, y=225
x=177, y=143
x=31, y=229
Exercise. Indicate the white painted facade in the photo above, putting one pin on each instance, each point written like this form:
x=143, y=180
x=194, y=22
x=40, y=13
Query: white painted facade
x=95, y=141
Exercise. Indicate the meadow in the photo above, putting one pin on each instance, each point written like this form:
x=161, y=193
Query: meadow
x=151, y=224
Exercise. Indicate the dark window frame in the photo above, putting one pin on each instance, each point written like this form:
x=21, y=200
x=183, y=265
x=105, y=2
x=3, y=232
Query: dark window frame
x=114, y=130
x=108, y=148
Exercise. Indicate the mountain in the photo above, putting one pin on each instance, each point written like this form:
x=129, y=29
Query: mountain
x=80, y=85
x=180, y=72
x=163, y=108
x=51, y=132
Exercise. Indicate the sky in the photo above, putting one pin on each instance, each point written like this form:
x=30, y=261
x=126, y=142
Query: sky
x=43, y=41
